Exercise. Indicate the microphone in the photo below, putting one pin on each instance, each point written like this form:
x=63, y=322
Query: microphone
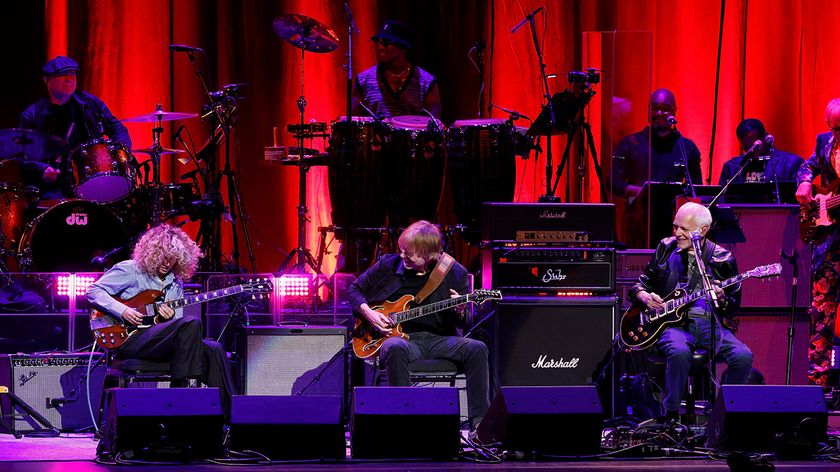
x=101, y=260
x=353, y=27
x=184, y=48
x=177, y=134
x=771, y=141
x=696, y=236
x=527, y=19
x=480, y=46
x=672, y=120
x=434, y=122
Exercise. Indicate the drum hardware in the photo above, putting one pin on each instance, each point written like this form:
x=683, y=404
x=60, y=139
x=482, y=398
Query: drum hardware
x=18, y=143
x=306, y=34
x=317, y=129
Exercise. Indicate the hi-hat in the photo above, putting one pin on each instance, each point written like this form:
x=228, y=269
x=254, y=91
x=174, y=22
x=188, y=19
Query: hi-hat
x=160, y=115
x=18, y=143
x=305, y=33
x=159, y=151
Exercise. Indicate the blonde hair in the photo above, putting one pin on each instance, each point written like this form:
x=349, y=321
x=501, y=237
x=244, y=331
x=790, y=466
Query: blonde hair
x=832, y=109
x=162, y=244
x=423, y=239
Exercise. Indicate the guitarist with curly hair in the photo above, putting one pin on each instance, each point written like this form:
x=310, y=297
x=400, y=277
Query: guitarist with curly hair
x=432, y=336
x=673, y=266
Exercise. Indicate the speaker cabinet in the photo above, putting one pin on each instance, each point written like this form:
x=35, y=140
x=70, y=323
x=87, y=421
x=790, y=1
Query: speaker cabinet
x=405, y=422
x=288, y=427
x=56, y=386
x=552, y=341
x=177, y=424
x=767, y=417
x=563, y=421
x=303, y=360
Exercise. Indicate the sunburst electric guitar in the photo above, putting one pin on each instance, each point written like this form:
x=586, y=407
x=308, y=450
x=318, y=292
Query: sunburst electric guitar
x=640, y=327
x=367, y=340
x=110, y=332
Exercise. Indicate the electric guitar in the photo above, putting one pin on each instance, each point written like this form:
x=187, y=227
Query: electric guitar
x=110, y=332
x=820, y=212
x=640, y=328
x=367, y=340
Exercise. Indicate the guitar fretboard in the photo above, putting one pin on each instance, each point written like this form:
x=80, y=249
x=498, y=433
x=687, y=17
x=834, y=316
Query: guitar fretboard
x=424, y=310
x=204, y=297
x=672, y=305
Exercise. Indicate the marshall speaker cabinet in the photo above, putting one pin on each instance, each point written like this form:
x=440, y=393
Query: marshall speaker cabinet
x=549, y=269
x=552, y=341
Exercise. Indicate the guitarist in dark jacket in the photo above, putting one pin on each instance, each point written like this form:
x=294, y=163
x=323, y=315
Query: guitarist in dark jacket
x=673, y=266
x=432, y=336
x=163, y=257
x=825, y=253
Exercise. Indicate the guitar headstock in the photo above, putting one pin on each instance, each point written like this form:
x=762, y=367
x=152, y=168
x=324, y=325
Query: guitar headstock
x=765, y=271
x=258, y=287
x=481, y=296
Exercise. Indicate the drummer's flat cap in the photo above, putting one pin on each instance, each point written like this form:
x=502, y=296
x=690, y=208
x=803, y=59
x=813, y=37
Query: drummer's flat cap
x=59, y=65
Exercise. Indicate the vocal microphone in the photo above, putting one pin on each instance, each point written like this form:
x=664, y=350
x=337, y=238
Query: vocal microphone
x=696, y=236
x=751, y=151
x=770, y=140
x=178, y=133
x=672, y=120
x=479, y=46
x=101, y=260
x=57, y=402
x=184, y=48
x=527, y=19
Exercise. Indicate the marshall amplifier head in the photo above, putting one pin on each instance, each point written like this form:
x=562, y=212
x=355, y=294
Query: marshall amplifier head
x=549, y=223
x=549, y=270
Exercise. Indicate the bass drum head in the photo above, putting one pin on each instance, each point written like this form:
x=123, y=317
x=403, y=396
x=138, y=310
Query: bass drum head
x=69, y=235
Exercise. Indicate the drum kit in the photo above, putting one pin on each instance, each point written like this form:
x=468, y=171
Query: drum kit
x=109, y=202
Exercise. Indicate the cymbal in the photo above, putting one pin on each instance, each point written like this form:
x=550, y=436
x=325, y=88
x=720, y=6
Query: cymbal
x=160, y=115
x=160, y=151
x=30, y=144
x=305, y=33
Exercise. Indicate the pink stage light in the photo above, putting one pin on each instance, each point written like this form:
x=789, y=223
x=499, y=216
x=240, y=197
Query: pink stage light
x=80, y=282
x=293, y=285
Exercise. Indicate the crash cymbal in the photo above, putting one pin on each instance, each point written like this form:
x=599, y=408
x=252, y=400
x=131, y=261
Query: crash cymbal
x=19, y=143
x=305, y=33
x=160, y=115
x=160, y=151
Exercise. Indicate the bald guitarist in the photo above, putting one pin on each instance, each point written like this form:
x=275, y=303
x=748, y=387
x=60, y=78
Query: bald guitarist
x=825, y=255
x=422, y=259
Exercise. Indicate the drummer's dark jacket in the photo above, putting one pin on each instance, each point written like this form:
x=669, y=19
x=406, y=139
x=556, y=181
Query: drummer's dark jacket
x=663, y=272
x=87, y=111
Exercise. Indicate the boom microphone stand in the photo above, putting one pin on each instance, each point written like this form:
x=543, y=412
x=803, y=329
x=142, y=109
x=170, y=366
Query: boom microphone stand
x=792, y=258
x=713, y=304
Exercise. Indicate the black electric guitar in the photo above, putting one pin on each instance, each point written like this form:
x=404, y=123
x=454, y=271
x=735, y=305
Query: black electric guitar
x=110, y=332
x=641, y=328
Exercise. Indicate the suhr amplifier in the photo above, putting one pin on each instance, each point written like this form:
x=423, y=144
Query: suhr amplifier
x=549, y=269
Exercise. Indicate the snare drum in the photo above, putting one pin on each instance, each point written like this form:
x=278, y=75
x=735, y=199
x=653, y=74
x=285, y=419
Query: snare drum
x=69, y=235
x=357, y=177
x=416, y=170
x=15, y=201
x=482, y=166
x=104, y=171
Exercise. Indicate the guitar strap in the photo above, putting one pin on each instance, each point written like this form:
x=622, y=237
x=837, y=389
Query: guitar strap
x=444, y=264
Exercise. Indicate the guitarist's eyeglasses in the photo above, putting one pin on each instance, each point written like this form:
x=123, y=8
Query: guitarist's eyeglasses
x=836, y=129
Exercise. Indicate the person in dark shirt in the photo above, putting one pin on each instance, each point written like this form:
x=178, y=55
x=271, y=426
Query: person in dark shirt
x=75, y=116
x=432, y=336
x=656, y=153
x=395, y=86
x=674, y=266
x=768, y=163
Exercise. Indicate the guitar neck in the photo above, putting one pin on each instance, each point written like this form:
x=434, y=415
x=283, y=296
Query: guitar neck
x=204, y=297
x=424, y=310
x=694, y=296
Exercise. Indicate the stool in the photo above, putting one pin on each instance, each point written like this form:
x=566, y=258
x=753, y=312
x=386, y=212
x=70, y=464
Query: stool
x=697, y=374
x=120, y=373
x=427, y=370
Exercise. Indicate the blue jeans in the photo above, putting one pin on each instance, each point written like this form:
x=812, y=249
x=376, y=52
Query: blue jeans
x=468, y=354
x=677, y=343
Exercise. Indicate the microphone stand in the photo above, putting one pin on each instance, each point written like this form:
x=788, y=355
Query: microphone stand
x=791, y=326
x=713, y=304
x=684, y=162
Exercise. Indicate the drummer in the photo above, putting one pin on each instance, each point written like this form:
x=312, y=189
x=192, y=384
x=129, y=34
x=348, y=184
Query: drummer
x=72, y=115
x=395, y=86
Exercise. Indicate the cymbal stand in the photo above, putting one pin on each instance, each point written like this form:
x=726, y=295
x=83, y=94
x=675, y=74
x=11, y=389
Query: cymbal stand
x=304, y=257
x=157, y=217
x=235, y=204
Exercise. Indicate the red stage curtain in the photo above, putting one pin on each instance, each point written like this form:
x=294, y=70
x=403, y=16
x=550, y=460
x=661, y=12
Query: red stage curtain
x=778, y=64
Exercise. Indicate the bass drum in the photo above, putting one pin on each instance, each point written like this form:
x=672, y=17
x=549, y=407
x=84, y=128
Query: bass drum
x=481, y=159
x=69, y=236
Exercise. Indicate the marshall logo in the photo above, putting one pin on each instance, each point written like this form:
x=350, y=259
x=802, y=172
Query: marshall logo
x=552, y=276
x=548, y=214
x=542, y=363
x=23, y=378
x=78, y=219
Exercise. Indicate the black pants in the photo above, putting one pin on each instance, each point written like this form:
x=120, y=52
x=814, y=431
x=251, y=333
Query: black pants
x=468, y=354
x=180, y=342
